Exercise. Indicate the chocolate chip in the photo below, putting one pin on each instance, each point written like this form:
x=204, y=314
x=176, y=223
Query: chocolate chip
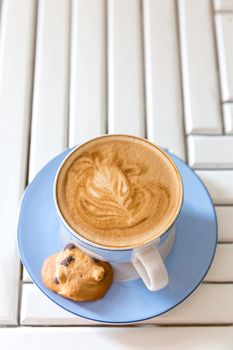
x=67, y=260
x=96, y=261
x=56, y=280
x=69, y=246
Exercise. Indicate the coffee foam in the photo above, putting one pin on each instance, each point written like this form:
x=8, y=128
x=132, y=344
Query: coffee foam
x=118, y=191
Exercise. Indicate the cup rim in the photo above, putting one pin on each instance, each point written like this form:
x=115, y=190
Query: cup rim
x=105, y=247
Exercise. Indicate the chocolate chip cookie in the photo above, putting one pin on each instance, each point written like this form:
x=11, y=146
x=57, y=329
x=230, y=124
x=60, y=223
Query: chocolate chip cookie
x=76, y=276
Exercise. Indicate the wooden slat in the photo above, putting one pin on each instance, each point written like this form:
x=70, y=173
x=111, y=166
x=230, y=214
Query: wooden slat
x=223, y=5
x=210, y=152
x=225, y=223
x=228, y=117
x=163, y=84
x=219, y=184
x=221, y=269
x=209, y=304
x=16, y=74
x=200, y=77
x=204, y=306
x=224, y=31
x=37, y=309
x=50, y=98
x=126, y=112
x=120, y=338
x=88, y=71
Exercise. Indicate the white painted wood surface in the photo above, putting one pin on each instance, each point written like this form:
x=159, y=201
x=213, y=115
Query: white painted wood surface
x=225, y=223
x=15, y=109
x=26, y=277
x=210, y=152
x=120, y=338
x=224, y=31
x=223, y=5
x=199, y=68
x=37, y=309
x=228, y=117
x=126, y=105
x=221, y=270
x=88, y=75
x=163, y=76
x=204, y=306
x=100, y=85
x=219, y=184
x=51, y=84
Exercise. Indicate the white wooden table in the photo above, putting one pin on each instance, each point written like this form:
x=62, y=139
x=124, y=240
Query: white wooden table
x=72, y=70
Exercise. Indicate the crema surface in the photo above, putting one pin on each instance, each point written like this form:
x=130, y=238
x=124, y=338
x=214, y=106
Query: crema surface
x=119, y=191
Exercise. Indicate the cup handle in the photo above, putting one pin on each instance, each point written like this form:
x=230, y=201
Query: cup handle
x=151, y=268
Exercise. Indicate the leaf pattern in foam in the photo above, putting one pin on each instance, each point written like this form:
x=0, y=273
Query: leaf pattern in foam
x=108, y=199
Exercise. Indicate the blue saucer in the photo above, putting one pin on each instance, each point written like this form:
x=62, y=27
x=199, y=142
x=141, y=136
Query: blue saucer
x=187, y=264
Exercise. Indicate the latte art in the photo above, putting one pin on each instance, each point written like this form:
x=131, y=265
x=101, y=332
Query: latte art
x=118, y=191
x=107, y=197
